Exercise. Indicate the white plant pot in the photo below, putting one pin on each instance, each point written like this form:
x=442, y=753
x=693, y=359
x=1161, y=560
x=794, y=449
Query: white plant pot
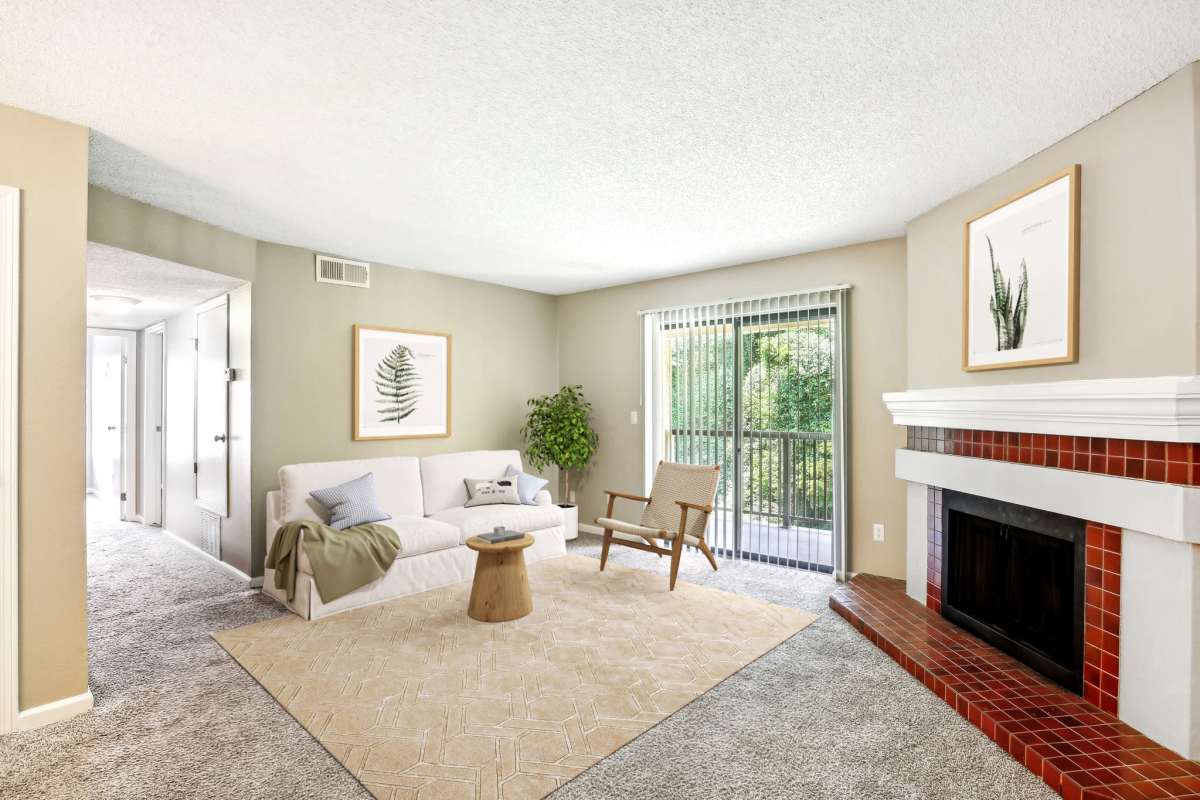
x=570, y=520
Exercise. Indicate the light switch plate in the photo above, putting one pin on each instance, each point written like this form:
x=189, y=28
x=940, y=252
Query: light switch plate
x=878, y=529
x=633, y=418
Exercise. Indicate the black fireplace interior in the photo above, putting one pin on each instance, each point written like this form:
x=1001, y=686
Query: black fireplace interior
x=1013, y=576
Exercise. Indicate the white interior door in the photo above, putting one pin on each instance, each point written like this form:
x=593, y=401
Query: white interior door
x=112, y=434
x=212, y=406
x=153, y=426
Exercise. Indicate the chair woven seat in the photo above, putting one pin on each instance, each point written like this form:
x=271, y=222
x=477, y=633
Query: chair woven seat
x=676, y=511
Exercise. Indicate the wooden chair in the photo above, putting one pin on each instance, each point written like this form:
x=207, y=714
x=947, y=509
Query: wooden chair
x=678, y=489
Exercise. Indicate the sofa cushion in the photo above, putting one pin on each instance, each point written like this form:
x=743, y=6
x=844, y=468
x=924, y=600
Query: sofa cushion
x=397, y=486
x=528, y=485
x=351, y=503
x=417, y=535
x=474, y=521
x=492, y=491
x=442, y=476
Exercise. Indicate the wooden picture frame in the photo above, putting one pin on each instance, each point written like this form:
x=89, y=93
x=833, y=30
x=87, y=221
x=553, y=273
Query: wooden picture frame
x=1040, y=223
x=419, y=404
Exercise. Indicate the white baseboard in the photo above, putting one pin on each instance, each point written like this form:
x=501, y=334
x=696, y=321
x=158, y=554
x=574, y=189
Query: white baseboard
x=592, y=529
x=57, y=711
x=250, y=582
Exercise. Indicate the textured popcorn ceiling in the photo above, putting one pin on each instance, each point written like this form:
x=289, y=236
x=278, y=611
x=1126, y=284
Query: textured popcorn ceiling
x=163, y=287
x=560, y=146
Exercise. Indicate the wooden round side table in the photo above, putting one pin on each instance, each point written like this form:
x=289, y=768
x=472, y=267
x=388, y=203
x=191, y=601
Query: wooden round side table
x=500, y=591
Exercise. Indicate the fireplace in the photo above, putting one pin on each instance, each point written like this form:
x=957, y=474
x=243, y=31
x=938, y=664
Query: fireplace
x=1014, y=576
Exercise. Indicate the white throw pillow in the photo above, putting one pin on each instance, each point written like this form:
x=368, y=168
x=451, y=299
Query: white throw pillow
x=492, y=491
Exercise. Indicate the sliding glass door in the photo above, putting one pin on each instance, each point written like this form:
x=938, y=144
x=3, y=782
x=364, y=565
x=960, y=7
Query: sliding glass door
x=755, y=386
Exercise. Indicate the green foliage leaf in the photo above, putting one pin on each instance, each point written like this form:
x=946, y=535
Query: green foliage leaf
x=557, y=430
x=398, y=384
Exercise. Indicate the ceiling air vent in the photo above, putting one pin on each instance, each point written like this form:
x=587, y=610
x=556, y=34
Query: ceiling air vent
x=343, y=271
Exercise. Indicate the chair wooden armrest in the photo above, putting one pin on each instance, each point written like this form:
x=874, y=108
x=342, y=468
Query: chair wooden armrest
x=696, y=506
x=635, y=497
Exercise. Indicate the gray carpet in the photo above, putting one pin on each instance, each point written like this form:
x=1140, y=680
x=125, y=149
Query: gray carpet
x=825, y=715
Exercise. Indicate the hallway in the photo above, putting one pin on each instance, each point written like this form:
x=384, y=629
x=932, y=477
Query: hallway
x=174, y=715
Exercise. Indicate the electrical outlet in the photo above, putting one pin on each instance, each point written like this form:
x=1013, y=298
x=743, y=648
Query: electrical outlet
x=878, y=531
x=633, y=418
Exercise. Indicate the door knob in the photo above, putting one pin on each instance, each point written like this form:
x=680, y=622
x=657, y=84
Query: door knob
x=111, y=428
x=220, y=437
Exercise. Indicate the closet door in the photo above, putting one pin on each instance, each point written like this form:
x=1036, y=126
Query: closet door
x=212, y=406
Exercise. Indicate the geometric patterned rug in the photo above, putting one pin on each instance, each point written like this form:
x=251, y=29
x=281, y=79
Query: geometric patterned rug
x=420, y=702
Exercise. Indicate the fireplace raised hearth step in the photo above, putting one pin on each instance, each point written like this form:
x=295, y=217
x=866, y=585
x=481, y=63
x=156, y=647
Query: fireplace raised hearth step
x=1076, y=748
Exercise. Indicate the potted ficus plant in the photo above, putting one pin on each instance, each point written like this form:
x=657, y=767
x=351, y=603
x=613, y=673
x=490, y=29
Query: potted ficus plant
x=557, y=431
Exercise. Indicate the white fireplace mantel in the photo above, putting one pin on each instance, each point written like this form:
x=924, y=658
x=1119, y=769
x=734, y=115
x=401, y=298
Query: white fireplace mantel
x=1164, y=409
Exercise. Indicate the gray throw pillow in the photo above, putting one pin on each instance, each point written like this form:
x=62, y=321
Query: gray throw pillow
x=351, y=503
x=527, y=485
x=492, y=491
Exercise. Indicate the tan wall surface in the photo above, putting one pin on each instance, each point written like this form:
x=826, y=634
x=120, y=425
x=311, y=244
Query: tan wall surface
x=503, y=352
x=1138, y=288
x=48, y=161
x=120, y=222
x=600, y=339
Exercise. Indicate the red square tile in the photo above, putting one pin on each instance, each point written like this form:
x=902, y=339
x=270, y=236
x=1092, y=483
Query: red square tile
x=1051, y=457
x=1156, y=450
x=1083, y=444
x=1099, y=446
x=1098, y=463
x=1178, y=472
x=1116, y=466
x=1179, y=451
x=1156, y=471
x=1135, y=468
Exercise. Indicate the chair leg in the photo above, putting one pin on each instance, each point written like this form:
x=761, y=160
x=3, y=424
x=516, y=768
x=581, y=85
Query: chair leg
x=676, y=552
x=604, y=548
x=708, y=554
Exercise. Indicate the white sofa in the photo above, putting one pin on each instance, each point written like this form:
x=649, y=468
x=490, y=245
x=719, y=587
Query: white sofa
x=426, y=498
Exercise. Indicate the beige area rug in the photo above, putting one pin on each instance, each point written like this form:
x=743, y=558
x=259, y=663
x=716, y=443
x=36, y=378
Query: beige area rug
x=419, y=701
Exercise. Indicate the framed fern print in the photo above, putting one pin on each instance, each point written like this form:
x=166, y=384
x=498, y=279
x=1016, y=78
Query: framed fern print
x=401, y=383
x=1021, y=278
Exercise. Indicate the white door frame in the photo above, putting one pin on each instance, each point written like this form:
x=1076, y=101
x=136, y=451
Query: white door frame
x=129, y=453
x=154, y=473
x=10, y=331
x=218, y=509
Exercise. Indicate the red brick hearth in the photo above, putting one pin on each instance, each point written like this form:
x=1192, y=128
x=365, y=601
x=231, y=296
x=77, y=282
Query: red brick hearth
x=1079, y=749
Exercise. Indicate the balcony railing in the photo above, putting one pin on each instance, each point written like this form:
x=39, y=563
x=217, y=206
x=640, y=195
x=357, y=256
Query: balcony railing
x=787, y=475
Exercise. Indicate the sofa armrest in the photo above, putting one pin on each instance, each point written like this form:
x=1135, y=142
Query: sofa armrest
x=542, y=498
x=274, y=512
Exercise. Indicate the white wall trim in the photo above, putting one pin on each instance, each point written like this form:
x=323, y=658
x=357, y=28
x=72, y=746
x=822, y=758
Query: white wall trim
x=10, y=299
x=1165, y=409
x=1158, y=509
x=251, y=582
x=57, y=711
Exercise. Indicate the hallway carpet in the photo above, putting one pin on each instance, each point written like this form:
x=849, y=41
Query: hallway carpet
x=825, y=715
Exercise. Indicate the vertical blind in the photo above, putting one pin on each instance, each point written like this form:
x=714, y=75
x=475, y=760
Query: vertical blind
x=756, y=386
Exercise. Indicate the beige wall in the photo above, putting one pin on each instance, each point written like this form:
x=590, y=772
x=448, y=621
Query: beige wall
x=1138, y=288
x=599, y=340
x=48, y=161
x=504, y=352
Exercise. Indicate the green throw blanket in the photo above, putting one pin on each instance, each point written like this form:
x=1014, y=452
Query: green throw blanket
x=342, y=561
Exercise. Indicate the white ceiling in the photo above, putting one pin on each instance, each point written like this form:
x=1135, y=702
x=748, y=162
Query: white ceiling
x=163, y=287
x=564, y=146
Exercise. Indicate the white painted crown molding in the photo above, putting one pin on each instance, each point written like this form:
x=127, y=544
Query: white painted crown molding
x=10, y=283
x=1165, y=409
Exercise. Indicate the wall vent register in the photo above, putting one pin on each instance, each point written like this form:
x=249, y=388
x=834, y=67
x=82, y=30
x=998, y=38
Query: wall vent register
x=343, y=272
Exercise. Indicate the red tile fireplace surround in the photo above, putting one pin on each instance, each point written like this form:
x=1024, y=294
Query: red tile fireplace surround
x=1102, y=603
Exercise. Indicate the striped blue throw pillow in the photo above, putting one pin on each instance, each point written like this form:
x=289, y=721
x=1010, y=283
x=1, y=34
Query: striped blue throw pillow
x=351, y=503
